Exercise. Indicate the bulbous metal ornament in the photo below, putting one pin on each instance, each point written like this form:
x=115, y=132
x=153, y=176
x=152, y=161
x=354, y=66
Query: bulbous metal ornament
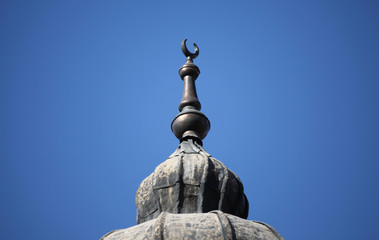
x=190, y=122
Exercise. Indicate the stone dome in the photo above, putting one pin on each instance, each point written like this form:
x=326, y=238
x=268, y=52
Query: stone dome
x=192, y=195
x=190, y=181
x=214, y=225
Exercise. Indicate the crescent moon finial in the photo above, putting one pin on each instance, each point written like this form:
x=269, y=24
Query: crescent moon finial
x=187, y=53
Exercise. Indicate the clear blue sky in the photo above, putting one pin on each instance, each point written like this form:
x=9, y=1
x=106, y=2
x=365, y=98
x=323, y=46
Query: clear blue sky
x=88, y=90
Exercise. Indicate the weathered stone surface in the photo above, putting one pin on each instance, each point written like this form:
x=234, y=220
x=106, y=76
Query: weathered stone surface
x=214, y=225
x=192, y=196
x=190, y=181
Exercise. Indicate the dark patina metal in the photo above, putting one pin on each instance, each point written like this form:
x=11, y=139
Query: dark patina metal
x=187, y=53
x=192, y=195
x=190, y=122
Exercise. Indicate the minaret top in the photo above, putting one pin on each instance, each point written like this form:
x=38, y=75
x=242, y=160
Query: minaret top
x=190, y=122
x=192, y=195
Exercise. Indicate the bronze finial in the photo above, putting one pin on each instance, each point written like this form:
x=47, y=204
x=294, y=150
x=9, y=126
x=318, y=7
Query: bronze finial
x=189, y=73
x=187, y=53
x=190, y=122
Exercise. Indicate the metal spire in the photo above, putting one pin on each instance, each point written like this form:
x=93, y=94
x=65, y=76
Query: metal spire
x=190, y=122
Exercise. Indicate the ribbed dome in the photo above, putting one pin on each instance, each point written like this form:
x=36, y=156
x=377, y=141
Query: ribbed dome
x=190, y=181
x=192, y=195
x=214, y=225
